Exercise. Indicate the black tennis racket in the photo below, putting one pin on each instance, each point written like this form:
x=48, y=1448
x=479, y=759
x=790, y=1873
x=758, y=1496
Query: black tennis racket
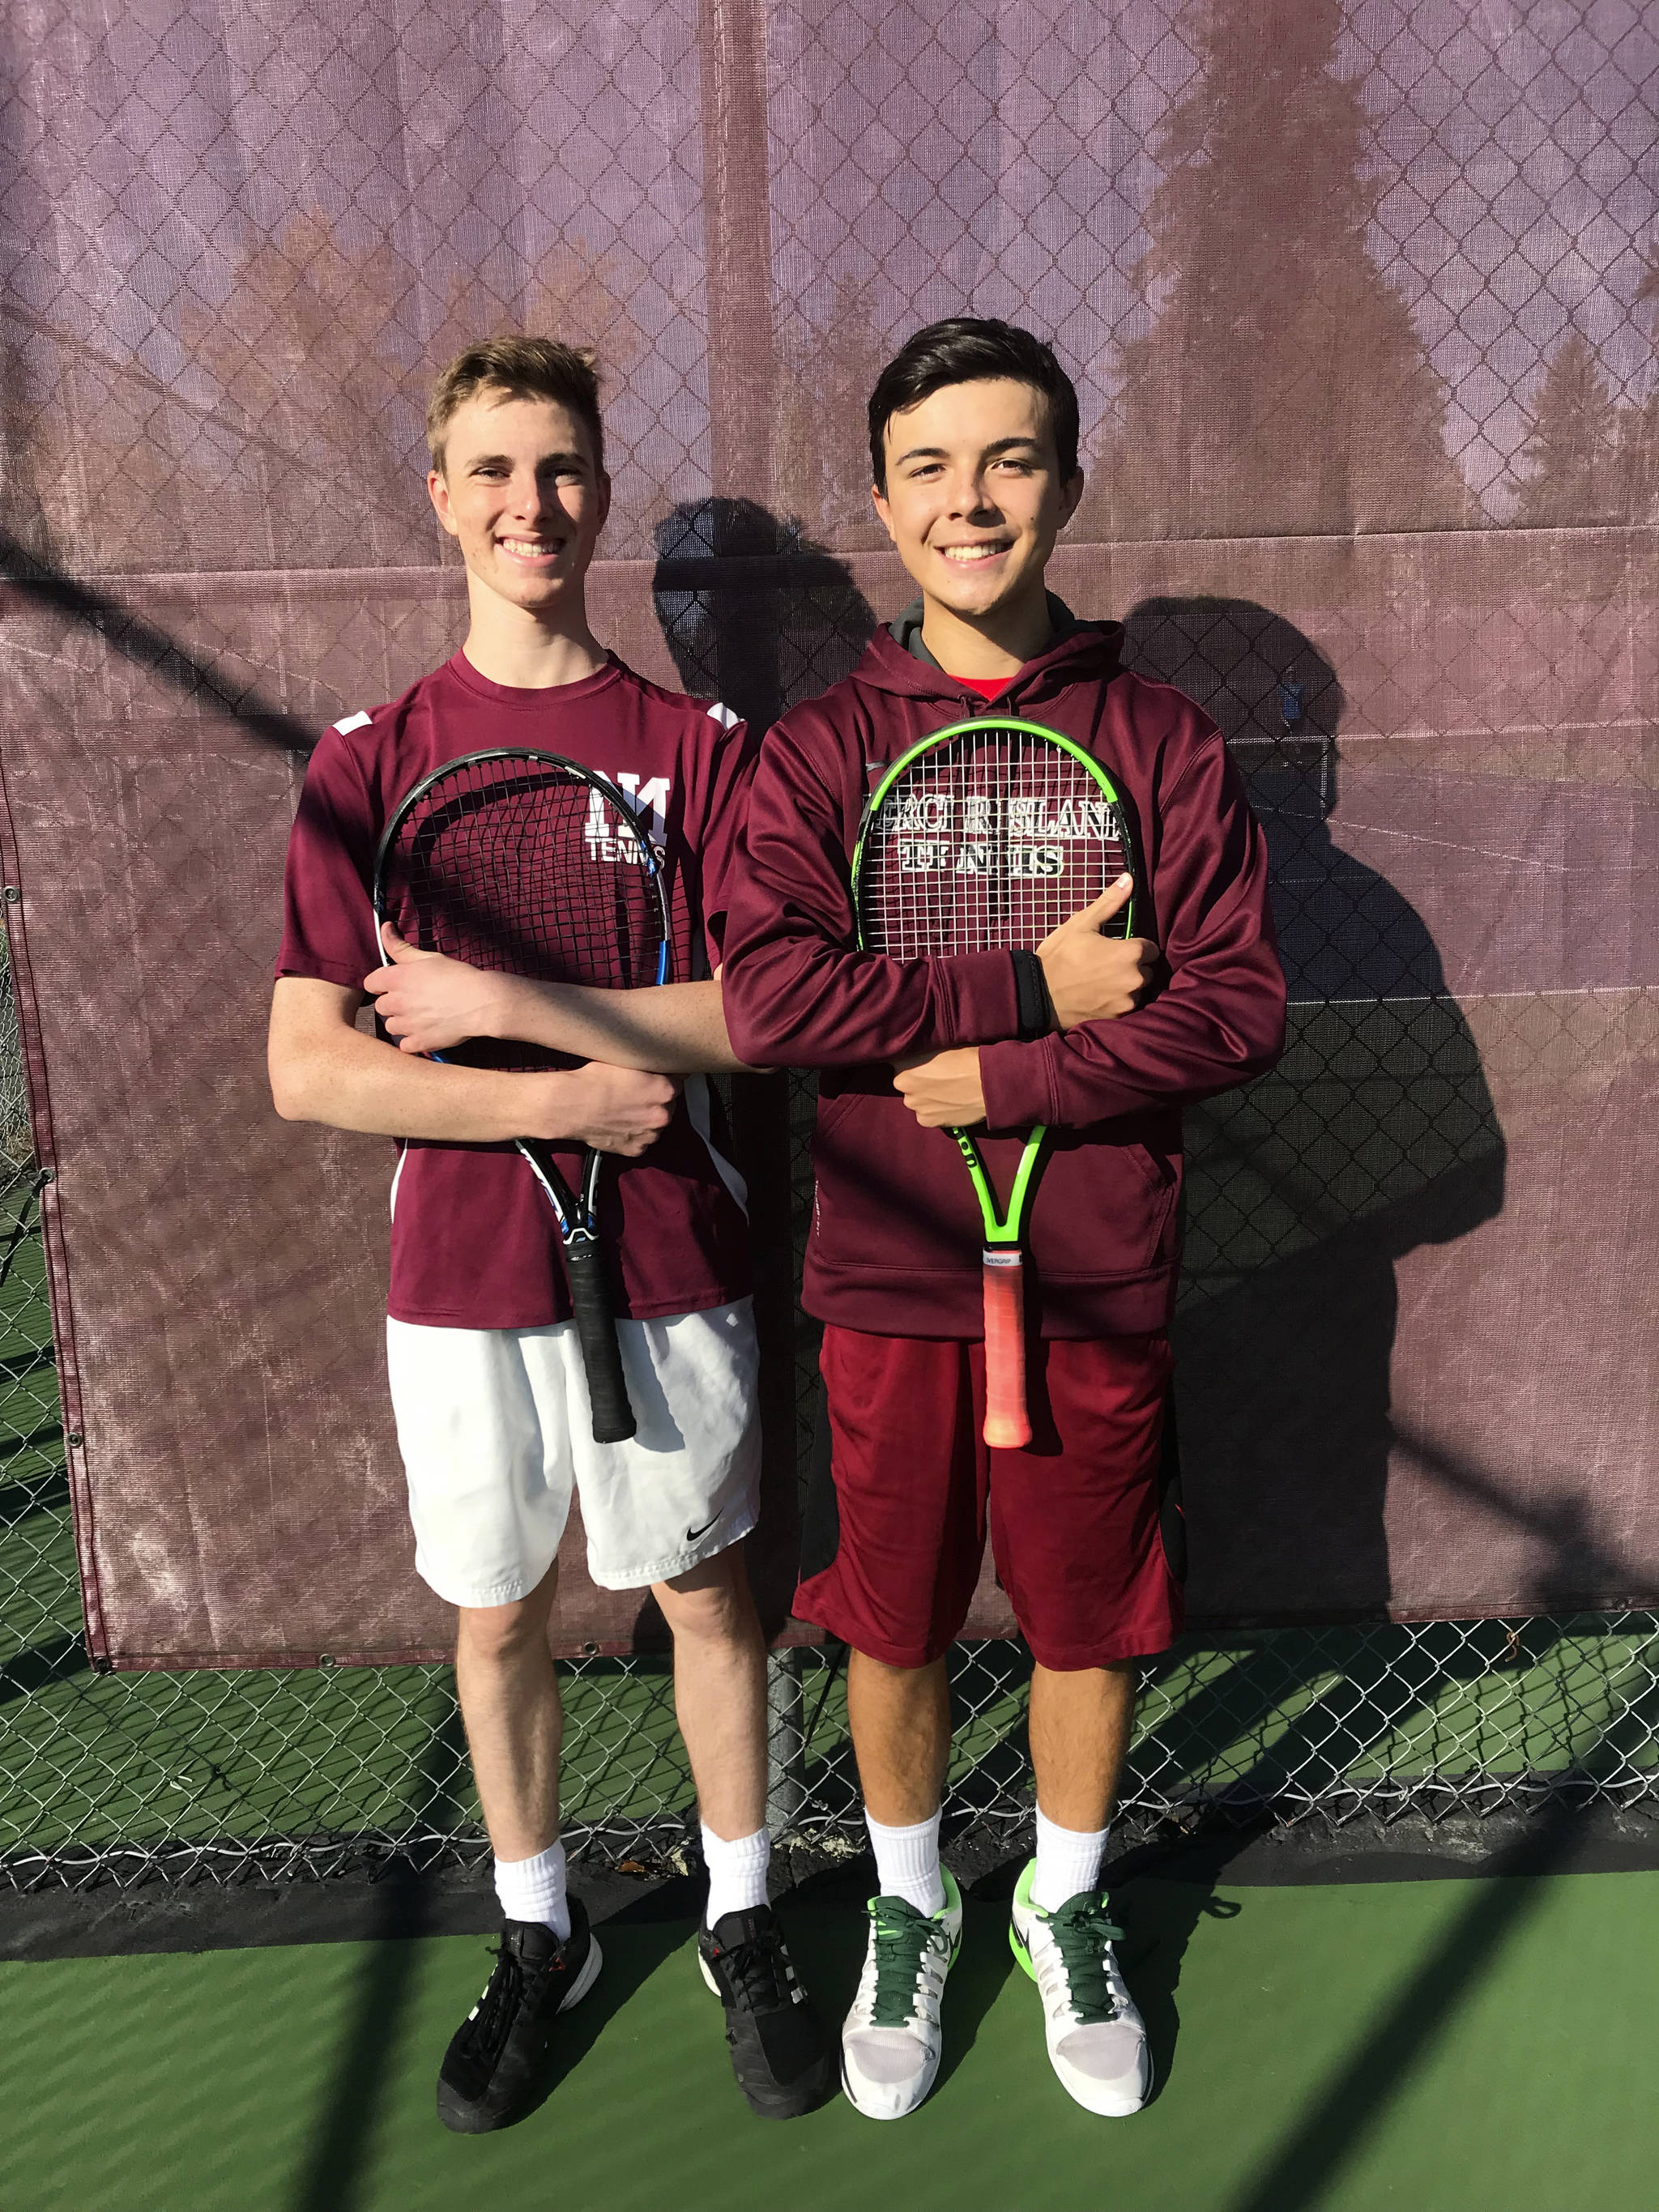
x=985, y=836
x=530, y=865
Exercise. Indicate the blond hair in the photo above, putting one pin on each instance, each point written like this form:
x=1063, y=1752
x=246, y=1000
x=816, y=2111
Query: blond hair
x=518, y=368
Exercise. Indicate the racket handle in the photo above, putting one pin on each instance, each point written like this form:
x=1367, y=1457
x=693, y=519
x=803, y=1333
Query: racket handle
x=596, y=1333
x=1007, y=1425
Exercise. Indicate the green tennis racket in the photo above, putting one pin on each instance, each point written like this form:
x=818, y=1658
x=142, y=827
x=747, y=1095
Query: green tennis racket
x=986, y=836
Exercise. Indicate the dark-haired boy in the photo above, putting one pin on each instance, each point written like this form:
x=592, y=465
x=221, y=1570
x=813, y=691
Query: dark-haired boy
x=486, y=1382
x=973, y=434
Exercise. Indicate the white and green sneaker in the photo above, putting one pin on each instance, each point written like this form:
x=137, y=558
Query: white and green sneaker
x=1096, y=2038
x=891, y=2042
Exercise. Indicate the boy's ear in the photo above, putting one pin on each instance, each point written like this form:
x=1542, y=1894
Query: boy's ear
x=1070, y=498
x=878, y=501
x=437, y=491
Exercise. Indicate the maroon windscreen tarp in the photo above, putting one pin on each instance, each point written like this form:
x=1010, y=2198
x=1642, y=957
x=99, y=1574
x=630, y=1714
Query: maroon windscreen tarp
x=1361, y=302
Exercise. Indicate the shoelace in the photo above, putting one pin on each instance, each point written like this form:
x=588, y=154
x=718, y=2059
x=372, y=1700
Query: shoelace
x=498, y=2007
x=903, y=1936
x=753, y=1973
x=1082, y=1929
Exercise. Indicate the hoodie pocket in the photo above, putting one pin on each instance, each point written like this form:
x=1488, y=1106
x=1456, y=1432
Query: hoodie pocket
x=1158, y=1170
x=1106, y=1210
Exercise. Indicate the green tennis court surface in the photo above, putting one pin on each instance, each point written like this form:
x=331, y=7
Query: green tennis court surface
x=1456, y=2046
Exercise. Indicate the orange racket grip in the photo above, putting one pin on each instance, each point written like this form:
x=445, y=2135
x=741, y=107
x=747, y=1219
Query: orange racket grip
x=1007, y=1425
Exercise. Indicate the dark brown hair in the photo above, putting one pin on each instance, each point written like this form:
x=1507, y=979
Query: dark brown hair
x=969, y=350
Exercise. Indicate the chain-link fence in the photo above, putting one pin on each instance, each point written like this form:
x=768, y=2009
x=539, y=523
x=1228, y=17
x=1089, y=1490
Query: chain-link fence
x=160, y=1776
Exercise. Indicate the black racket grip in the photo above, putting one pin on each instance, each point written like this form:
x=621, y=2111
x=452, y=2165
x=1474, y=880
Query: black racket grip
x=596, y=1332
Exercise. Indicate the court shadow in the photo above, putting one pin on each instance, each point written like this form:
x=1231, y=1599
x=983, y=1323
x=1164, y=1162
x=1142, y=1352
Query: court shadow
x=1299, y=2173
x=753, y=610
x=632, y=1952
x=1158, y=1916
x=983, y=1967
x=335, y=2169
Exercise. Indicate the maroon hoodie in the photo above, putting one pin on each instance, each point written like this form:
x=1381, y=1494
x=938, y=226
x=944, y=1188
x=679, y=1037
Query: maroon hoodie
x=896, y=1234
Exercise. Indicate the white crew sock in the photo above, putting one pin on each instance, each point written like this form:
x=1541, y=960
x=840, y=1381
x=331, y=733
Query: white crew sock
x=737, y=1873
x=1067, y=1861
x=907, y=1864
x=533, y=1889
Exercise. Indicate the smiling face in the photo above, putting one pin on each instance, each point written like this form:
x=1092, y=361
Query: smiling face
x=521, y=494
x=974, y=499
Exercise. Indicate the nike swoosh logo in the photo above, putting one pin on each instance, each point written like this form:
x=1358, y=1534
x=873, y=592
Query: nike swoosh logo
x=692, y=1535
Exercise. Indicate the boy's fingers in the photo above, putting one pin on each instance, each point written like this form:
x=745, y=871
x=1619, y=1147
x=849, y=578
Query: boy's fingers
x=399, y=948
x=1102, y=908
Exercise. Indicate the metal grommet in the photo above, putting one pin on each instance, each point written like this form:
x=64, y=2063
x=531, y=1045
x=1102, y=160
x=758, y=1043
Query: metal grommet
x=13, y=895
x=74, y=1439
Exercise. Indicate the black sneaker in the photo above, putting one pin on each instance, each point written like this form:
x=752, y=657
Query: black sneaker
x=779, y=2055
x=488, y=2073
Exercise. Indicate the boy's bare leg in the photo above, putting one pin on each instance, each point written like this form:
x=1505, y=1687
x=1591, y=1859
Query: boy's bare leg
x=509, y=1698
x=900, y=1717
x=782, y=2061
x=1079, y=1738
x=720, y=1690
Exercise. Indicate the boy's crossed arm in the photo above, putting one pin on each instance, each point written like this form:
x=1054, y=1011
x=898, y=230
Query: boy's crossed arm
x=429, y=1002
x=323, y=1068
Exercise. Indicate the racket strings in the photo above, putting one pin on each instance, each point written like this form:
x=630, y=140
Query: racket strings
x=531, y=871
x=988, y=842
x=525, y=869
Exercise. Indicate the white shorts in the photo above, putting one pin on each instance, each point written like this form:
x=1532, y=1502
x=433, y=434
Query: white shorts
x=494, y=1429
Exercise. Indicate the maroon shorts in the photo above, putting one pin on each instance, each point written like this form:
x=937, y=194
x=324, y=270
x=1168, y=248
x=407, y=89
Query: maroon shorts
x=894, y=1530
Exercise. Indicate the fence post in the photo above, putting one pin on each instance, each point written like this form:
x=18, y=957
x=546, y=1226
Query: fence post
x=786, y=1745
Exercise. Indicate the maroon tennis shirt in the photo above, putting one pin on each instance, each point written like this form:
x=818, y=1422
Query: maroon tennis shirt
x=474, y=1244
x=896, y=1234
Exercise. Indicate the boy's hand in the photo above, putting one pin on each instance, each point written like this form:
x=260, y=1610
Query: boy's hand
x=429, y=1002
x=614, y=1109
x=942, y=1089
x=1092, y=978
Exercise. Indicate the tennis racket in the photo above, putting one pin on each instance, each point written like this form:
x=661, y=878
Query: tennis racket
x=987, y=835
x=526, y=864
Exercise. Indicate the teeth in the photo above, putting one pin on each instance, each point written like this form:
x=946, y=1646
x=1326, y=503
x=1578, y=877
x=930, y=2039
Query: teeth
x=528, y=546
x=965, y=553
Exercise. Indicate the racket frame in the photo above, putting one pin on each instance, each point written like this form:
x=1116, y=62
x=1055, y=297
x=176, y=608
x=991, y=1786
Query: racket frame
x=1008, y=1421
x=573, y=1211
